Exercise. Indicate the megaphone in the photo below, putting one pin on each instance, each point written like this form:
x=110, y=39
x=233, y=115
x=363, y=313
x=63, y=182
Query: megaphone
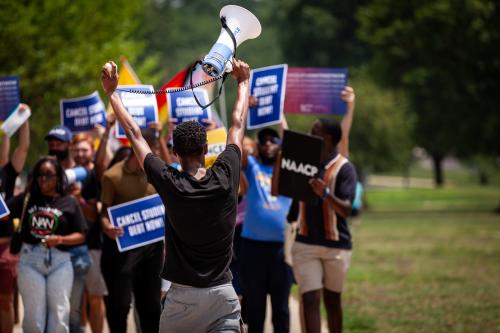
x=242, y=25
x=76, y=174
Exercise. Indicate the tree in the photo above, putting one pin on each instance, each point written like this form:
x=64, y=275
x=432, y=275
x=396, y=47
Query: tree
x=57, y=49
x=321, y=33
x=444, y=54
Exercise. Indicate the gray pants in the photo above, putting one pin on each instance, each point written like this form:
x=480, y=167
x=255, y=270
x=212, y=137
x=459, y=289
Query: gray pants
x=188, y=309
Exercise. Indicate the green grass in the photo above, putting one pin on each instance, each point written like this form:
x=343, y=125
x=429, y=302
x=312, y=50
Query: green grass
x=433, y=200
x=425, y=261
x=425, y=273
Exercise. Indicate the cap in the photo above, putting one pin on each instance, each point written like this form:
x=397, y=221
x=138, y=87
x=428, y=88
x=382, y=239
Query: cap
x=261, y=135
x=61, y=133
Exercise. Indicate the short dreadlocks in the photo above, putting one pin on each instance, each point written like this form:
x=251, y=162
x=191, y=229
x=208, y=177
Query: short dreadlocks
x=189, y=138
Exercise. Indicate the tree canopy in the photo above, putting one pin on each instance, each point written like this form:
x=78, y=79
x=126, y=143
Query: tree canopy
x=445, y=55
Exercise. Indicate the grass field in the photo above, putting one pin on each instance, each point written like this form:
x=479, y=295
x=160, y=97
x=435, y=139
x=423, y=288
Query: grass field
x=426, y=261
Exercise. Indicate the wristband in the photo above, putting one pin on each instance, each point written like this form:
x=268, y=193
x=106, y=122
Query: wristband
x=59, y=240
x=326, y=193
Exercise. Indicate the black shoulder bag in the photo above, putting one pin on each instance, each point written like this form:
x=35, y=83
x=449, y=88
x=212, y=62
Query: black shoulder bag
x=16, y=241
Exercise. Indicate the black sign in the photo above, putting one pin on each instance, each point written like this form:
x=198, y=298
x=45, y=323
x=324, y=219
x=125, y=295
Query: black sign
x=299, y=162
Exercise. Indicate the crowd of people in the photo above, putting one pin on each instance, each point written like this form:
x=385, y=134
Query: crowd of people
x=224, y=251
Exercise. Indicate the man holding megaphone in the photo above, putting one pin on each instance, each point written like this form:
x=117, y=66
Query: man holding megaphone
x=201, y=208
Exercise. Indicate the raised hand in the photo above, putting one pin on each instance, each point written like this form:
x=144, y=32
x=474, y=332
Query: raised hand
x=241, y=70
x=109, y=77
x=348, y=95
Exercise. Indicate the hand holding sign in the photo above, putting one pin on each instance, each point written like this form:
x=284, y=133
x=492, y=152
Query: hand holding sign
x=347, y=95
x=112, y=231
x=318, y=186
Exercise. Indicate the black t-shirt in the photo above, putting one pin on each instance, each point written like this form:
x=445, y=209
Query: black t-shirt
x=8, y=177
x=46, y=216
x=201, y=216
x=91, y=191
x=345, y=188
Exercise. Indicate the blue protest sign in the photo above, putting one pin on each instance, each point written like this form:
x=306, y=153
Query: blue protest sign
x=312, y=90
x=142, y=107
x=267, y=85
x=4, y=210
x=10, y=96
x=83, y=113
x=142, y=220
x=183, y=107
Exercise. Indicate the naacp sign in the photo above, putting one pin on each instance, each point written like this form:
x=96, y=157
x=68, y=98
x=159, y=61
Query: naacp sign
x=299, y=162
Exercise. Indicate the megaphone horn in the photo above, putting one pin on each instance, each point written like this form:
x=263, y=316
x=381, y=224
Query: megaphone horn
x=238, y=25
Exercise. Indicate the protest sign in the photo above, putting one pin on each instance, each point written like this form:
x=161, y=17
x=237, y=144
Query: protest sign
x=10, y=96
x=267, y=85
x=142, y=107
x=183, y=106
x=4, y=210
x=216, y=140
x=315, y=90
x=142, y=220
x=15, y=120
x=298, y=166
x=81, y=114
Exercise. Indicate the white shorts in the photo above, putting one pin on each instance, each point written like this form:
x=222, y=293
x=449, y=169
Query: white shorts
x=316, y=267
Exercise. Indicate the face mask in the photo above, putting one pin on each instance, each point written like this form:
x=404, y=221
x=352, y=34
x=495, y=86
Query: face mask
x=61, y=155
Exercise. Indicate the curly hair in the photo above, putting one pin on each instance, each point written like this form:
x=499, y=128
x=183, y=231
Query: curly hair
x=189, y=138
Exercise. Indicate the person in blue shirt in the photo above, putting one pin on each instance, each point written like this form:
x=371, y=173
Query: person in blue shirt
x=263, y=269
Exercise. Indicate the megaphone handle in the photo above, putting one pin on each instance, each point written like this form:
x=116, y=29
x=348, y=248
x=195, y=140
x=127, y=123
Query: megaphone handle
x=224, y=76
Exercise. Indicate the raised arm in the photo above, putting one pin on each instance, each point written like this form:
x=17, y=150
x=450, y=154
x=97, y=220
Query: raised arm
x=109, y=80
x=349, y=97
x=101, y=156
x=4, y=150
x=241, y=72
x=19, y=156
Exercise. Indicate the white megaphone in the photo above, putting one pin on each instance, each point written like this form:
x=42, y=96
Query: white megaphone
x=243, y=25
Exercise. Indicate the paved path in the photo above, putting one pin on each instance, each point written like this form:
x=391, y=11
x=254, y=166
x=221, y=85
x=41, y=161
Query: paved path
x=294, y=320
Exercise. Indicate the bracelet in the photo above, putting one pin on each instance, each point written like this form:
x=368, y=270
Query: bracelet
x=326, y=193
x=59, y=240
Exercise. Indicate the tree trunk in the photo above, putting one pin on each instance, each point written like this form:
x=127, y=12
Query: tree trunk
x=437, y=159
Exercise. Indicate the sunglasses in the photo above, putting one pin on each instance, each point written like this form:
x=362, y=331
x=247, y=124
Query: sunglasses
x=47, y=176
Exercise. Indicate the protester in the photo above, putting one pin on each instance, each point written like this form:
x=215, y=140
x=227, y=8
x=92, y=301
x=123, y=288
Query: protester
x=263, y=268
x=135, y=271
x=349, y=97
x=10, y=169
x=201, y=208
x=59, y=145
x=103, y=155
x=250, y=147
x=82, y=148
x=52, y=222
x=322, y=250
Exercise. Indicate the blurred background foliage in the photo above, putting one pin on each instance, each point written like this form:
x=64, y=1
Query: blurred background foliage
x=426, y=73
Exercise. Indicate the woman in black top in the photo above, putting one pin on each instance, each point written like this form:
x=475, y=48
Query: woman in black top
x=52, y=222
